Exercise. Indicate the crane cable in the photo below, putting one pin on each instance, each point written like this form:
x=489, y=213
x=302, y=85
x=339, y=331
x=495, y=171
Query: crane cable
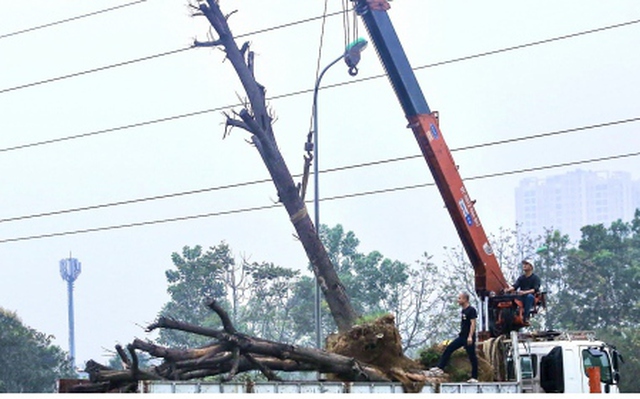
x=308, y=146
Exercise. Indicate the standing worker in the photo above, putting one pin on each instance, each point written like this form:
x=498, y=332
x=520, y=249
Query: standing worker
x=466, y=339
x=528, y=284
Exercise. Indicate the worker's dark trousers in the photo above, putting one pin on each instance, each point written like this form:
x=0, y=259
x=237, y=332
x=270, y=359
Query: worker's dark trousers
x=527, y=301
x=471, y=352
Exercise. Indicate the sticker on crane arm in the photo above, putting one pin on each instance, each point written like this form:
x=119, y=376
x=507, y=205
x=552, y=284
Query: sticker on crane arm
x=433, y=132
x=487, y=248
x=465, y=212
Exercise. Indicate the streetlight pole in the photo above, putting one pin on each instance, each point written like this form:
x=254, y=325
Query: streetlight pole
x=351, y=57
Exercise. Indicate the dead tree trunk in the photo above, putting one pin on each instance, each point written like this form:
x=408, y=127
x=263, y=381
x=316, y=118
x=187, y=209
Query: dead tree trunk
x=230, y=353
x=368, y=352
x=255, y=119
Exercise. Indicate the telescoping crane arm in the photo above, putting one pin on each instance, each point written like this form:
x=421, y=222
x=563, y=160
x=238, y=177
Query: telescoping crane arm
x=424, y=123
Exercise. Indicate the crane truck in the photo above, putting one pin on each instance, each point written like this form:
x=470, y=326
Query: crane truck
x=552, y=360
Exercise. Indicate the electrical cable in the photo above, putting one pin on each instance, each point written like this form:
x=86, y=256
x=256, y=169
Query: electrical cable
x=62, y=21
x=481, y=177
x=327, y=199
x=111, y=129
x=534, y=43
x=135, y=200
x=150, y=57
x=310, y=90
x=329, y=170
x=289, y=24
x=89, y=71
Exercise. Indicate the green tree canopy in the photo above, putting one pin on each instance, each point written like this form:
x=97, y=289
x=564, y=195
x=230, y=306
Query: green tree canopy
x=197, y=276
x=259, y=296
x=595, y=285
x=601, y=279
x=29, y=362
x=371, y=280
x=413, y=293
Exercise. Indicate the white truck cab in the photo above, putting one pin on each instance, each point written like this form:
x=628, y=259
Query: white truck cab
x=559, y=362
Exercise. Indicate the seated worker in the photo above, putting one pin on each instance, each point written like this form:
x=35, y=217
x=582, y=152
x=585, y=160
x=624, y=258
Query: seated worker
x=528, y=284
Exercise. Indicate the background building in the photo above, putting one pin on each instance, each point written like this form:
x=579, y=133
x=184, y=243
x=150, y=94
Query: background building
x=569, y=201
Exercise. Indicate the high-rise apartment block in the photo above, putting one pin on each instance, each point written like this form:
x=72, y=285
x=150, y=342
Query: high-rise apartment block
x=572, y=200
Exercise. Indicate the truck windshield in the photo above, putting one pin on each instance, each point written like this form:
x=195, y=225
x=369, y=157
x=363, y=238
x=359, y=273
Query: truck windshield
x=597, y=358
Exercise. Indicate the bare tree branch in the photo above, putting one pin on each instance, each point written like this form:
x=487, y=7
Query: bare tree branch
x=231, y=123
x=123, y=357
x=224, y=317
x=264, y=369
x=235, y=363
x=214, y=43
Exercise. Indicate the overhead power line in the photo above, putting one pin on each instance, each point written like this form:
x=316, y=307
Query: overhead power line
x=153, y=56
x=136, y=200
x=327, y=199
x=329, y=170
x=108, y=130
x=298, y=92
x=481, y=177
x=63, y=21
x=535, y=43
x=98, y=69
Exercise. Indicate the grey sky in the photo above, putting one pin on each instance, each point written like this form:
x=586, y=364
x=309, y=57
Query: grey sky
x=575, y=82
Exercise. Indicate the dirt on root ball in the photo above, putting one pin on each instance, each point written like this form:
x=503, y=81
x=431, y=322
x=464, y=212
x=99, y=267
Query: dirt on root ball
x=459, y=367
x=377, y=343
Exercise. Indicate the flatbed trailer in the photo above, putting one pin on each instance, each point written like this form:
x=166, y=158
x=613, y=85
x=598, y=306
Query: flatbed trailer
x=313, y=387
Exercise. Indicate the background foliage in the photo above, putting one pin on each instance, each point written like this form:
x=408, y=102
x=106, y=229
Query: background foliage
x=29, y=363
x=590, y=285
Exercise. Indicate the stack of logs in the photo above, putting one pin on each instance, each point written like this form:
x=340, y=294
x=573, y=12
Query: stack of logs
x=232, y=352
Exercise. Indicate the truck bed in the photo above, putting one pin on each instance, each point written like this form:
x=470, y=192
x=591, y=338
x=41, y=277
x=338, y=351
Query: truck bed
x=157, y=387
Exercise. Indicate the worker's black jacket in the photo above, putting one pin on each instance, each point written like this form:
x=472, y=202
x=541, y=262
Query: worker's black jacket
x=527, y=283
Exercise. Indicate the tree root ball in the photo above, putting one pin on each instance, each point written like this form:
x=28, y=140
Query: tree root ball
x=459, y=367
x=377, y=343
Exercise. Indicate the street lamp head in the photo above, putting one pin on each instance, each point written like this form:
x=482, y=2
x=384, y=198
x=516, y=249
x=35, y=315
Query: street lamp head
x=352, y=55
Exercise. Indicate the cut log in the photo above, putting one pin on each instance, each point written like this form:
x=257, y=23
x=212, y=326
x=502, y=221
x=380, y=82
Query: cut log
x=231, y=353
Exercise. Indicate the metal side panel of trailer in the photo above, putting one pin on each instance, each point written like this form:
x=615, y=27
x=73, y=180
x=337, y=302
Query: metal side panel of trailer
x=481, y=387
x=161, y=387
x=156, y=387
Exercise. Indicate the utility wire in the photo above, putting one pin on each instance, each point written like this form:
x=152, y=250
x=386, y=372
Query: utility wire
x=147, y=223
x=136, y=200
x=111, y=129
x=535, y=43
x=329, y=170
x=327, y=199
x=150, y=57
x=63, y=21
x=310, y=90
x=289, y=24
x=98, y=69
